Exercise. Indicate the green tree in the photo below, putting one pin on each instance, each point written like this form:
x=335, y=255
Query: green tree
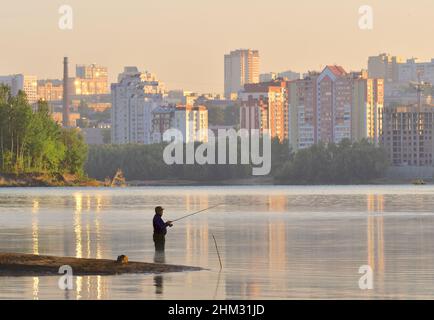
x=32, y=142
x=76, y=151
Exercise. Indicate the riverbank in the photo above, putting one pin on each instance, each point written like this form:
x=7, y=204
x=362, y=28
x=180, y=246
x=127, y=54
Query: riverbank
x=46, y=180
x=16, y=264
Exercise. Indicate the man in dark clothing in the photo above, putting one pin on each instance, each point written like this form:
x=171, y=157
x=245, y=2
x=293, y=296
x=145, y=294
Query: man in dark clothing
x=160, y=229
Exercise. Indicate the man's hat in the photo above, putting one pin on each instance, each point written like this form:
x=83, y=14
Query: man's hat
x=159, y=209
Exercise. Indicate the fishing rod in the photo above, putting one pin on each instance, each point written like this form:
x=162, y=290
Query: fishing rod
x=192, y=214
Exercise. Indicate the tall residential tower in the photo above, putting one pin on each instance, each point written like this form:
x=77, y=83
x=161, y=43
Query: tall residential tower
x=134, y=98
x=241, y=67
x=334, y=105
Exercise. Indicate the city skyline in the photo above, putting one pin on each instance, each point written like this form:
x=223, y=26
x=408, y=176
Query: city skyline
x=304, y=37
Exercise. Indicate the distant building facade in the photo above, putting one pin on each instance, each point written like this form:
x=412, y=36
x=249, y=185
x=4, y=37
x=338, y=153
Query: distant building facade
x=241, y=67
x=134, y=98
x=289, y=75
x=50, y=90
x=384, y=66
x=267, y=77
x=20, y=82
x=264, y=107
x=395, y=69
x=162, y=120
x=334, y=105
x=89, y=80
x=286, y=75
x=408, y=135
x=191, y=121
x=413, y=70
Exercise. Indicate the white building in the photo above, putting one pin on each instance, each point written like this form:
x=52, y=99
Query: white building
x=134, y=98
x=190, y=121
x=241, y=67
x=21, y=82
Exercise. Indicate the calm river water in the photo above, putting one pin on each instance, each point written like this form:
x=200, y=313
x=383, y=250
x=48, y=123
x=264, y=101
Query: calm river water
x=275, y=242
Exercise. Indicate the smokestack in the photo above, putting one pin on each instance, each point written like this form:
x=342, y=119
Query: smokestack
x=65, y=93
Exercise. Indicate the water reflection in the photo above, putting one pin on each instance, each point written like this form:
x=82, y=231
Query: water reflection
x=277, y=203
x=77, y=226
x=35, y=244
x=375, y=236
x=274, y=244
x=159, y=257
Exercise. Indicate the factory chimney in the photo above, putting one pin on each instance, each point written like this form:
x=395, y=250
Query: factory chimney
x=65, y=93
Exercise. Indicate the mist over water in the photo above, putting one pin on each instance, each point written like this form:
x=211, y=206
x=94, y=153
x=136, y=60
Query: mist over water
x=275, y=242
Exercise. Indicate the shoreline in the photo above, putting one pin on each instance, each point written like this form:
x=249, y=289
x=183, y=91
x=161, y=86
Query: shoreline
x=23, y=265
x=34, y=180
x=46, y=180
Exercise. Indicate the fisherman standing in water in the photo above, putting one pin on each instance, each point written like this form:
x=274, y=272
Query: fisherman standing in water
x=160, y=229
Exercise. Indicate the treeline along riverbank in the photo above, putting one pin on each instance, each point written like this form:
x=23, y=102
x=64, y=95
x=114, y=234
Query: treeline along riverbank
x=343, y=163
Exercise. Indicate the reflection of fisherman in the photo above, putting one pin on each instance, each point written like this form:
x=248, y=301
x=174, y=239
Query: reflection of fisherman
x=159, y=257
x=160, y=229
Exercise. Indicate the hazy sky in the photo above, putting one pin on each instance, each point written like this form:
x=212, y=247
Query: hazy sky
x=183, y=41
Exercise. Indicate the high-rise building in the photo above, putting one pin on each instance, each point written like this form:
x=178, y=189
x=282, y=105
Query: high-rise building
x=408, y=135
x=264, y=107
x=334, y=105
x=134, y=98
x=191, y=121
x=302, y=102
x=384, y=66
x=241, y=67
x=20, y=82
x=367, y=109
